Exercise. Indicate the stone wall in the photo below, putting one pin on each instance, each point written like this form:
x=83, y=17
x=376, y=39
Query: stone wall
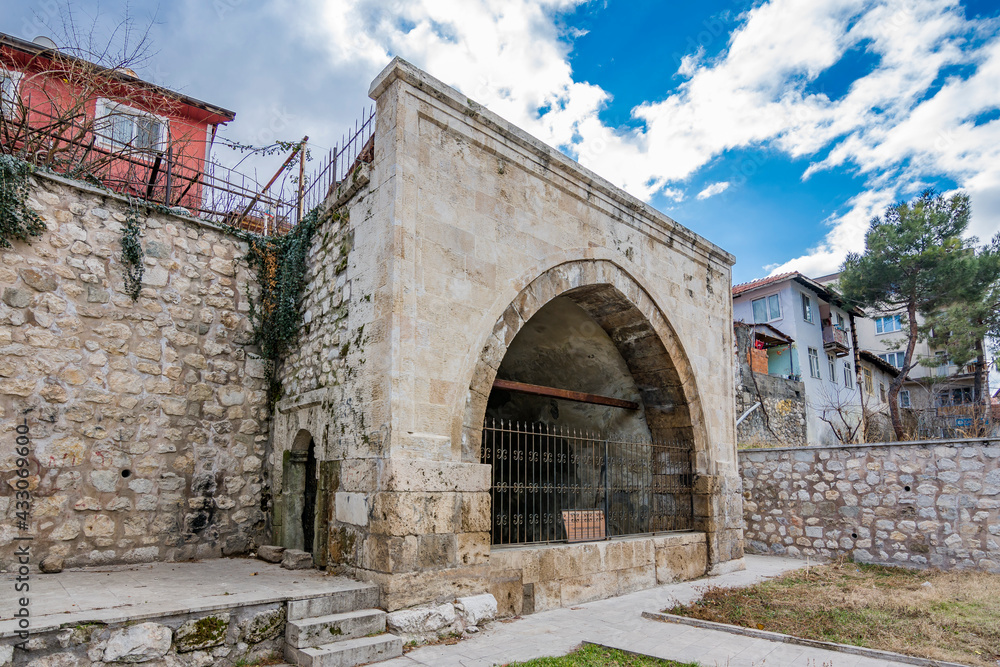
x=528, y=579
x=920, y=504
x=462, y=227
x=781, y=417
x=148, y=419
x=244, y=635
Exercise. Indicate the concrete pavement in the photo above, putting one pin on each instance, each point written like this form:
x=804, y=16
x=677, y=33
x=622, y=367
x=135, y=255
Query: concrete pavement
x=618, y=623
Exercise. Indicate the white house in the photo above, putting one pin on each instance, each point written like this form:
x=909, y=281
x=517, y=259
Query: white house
x=820, y=352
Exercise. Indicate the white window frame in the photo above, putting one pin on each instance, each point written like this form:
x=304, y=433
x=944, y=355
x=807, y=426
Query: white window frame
x=106, y=108
x=832, y=363
x=807, y=309
x=869, y=380
x=767, y=308
x=904, y=398
x=15, y=77
x=814, y=362
x=880, y=323
x=848, y=376
x=891, y=358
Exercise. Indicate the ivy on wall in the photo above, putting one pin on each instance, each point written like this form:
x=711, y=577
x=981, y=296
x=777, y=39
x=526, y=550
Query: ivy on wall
x=131, y=257
x=17, y=220
x=279, y=265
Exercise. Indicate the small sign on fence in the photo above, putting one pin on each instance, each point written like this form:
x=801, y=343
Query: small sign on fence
x=584, y=525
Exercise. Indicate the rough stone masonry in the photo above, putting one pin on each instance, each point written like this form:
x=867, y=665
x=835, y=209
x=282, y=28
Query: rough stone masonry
x=458, y=232
x=921, y=504
x=148, y=418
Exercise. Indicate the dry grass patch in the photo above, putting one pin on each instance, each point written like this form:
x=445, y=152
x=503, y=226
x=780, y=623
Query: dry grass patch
x=956, y=618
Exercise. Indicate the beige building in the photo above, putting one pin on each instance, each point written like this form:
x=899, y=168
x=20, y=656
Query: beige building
x=511, y=377
x=504, y=352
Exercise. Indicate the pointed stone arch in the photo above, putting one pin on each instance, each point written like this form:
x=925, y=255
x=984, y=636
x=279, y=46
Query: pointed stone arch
x=648, y=343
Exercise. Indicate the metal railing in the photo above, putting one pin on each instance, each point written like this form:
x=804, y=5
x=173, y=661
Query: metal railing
x=175, y=173
x=340, y=163
x=833, y=335
x=540, y=471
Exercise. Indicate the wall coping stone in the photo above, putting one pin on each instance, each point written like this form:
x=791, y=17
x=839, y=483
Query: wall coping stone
x=961, y=442
x=402, y=70
x=101, y=192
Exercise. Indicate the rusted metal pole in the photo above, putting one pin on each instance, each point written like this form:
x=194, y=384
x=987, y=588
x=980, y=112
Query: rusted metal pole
x=278, y=173
x=302, y=176
x=565, y=394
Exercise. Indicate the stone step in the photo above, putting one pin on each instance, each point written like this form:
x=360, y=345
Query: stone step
x=359, y=596
x=311, y=632
x=347, y=653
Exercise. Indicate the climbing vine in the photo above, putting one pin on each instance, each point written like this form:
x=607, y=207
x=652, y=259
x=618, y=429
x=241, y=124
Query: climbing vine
x=17, y=220
x=132, y=267
x=279, y=265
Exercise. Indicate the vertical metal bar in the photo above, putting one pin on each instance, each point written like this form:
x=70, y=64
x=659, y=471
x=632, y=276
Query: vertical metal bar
x=607, y=491
x=170, y=161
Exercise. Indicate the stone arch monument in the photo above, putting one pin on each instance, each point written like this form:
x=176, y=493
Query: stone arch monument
x=463, y=234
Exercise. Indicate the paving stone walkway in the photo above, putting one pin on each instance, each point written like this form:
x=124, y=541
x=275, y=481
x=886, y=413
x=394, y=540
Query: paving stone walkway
x=149, y=590
x=618, y=623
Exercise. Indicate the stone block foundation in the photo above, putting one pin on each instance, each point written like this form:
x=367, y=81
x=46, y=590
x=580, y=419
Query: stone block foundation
x=537, y=578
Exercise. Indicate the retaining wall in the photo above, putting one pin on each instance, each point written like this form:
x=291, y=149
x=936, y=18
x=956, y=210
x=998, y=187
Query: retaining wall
x=919, y=504
x=147, y=418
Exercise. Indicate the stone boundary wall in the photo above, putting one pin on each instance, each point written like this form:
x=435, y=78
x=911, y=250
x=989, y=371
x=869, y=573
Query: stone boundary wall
x=918, y=504
x=148, y=419
x=782, y=400
x=528, y=579
x=244, y=635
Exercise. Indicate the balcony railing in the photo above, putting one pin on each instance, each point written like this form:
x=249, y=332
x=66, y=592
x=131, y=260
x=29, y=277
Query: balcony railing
x=836, y=340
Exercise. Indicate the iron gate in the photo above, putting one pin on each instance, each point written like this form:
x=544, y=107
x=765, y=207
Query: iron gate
x=540, y=471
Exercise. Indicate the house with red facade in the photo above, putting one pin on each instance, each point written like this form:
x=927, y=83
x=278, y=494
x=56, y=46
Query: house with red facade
x=64, y=113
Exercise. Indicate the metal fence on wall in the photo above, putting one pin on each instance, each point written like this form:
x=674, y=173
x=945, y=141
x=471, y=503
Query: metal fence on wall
x=547, y=478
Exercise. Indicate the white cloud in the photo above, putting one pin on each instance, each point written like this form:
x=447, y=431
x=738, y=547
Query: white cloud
x=713, y=189
x=904, y=123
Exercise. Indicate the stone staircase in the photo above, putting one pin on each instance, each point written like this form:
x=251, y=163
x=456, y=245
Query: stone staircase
x=340, y=629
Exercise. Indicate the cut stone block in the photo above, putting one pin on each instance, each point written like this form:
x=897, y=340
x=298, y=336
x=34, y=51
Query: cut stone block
x=271, y=553
x=293, y=559
x=312, y=632
x=347, y=653
x=362, y=596
x=477, y=609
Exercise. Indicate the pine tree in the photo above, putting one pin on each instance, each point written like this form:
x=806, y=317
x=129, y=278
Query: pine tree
x=915, y=261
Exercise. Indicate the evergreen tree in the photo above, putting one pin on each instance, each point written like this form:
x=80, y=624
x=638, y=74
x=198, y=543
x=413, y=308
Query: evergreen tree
x=915, y=261
x=964, y=327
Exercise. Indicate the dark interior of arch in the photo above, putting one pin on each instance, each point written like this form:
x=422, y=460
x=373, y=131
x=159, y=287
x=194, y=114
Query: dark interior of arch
x=592, y=340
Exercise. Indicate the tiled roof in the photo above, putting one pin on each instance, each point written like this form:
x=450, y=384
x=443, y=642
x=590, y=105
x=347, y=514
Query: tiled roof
x=755, y=284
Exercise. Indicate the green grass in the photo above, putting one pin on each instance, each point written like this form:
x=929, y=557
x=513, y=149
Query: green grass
x=590, y=655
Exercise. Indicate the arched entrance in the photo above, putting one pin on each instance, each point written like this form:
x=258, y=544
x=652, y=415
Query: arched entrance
x=301, y=496
x=585, y=415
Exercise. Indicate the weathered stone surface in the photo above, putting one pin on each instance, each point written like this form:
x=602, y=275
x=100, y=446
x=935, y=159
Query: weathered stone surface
x=423, y=621
x=912, y=504
x=263, y=626
x=477, y=609
x=51, y=564
x=294, y=559
x=143, y=642
x=201, y=633
x=43, y=281
x=111, y=398
x=270, y=553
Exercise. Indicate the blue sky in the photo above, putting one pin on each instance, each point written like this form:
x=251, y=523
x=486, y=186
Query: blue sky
x=775, y=129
